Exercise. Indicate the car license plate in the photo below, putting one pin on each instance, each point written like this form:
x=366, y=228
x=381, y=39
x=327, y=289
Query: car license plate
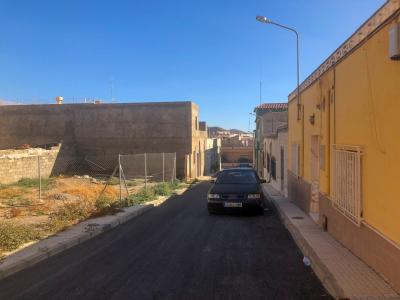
x=232, y=204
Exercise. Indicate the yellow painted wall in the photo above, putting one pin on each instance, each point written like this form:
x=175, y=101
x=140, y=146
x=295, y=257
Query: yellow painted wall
x=315, y=101
x=368, y=114
x=365, y=112
x=294, y=132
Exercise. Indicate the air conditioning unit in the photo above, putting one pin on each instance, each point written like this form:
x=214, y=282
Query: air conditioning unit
x=394, y=42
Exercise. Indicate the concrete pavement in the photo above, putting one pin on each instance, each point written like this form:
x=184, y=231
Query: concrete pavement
x=342, y=273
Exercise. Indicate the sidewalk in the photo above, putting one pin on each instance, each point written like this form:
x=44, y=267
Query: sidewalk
x=343, y=274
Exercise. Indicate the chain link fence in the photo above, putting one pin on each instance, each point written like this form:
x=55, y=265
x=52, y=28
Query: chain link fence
x=35, y=179
x=32, y=179
x=144, y=170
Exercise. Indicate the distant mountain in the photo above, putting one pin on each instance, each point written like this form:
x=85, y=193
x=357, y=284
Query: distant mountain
x=6, y=102
x=236, y=131
x=213, y=131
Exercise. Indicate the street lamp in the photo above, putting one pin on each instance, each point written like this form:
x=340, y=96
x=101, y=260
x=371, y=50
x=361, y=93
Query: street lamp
x=265, y=20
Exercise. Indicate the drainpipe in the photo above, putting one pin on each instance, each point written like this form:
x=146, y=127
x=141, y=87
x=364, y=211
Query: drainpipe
x=269, y=162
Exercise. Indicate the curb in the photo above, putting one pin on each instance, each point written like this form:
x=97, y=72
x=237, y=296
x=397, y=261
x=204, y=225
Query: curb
x=73, y=236
x=319, y=268
x=343, y=274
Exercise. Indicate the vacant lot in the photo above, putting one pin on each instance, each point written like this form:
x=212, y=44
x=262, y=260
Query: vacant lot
x=64, y=201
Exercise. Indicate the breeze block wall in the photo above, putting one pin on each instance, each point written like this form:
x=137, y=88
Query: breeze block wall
x=101, y=131
x=18, y=164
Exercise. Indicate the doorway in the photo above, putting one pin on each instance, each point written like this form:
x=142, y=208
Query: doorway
x=314, y=201
x=282, y=170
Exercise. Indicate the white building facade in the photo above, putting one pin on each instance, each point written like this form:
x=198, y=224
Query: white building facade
x=275, y=149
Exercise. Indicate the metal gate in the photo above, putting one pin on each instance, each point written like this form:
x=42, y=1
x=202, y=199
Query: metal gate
x=346, y=181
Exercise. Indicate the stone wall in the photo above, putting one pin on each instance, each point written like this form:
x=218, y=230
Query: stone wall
x=18, y=164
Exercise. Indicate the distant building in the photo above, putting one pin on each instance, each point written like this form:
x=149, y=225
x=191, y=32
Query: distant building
x=235, y=150
x=103, y=131
x=275, y=148
x=269, y=117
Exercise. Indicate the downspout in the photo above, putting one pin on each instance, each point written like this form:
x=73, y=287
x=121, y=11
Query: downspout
x=269, y=162
x=302, y=142
x=334, y=105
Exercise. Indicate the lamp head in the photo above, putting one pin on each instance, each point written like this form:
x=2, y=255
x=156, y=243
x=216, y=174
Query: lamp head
x=263, y=19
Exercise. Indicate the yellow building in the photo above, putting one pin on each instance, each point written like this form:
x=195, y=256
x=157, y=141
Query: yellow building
x=344, y=147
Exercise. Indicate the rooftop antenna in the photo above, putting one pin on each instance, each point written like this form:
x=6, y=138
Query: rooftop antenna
x=261, y=78
x=112, y=90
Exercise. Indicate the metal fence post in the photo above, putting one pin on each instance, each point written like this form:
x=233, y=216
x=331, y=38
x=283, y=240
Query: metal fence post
x=40, y=178
x=120, y=177
x=173, y=170
x=163, y=168
x=145, y=171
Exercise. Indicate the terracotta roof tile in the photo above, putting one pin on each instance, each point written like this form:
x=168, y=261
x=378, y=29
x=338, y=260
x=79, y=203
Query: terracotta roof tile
x=272, y=106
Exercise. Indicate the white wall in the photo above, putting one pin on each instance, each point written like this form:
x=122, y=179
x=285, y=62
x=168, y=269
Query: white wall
x=278, y=142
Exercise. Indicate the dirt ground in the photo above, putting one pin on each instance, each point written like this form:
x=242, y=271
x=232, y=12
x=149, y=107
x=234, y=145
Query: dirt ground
x=22, y=204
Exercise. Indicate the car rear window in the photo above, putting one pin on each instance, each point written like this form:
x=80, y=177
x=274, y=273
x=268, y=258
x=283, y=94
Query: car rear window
x=237, y=176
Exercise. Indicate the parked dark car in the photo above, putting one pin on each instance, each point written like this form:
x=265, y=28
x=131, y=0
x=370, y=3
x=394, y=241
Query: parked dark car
x=233, y=189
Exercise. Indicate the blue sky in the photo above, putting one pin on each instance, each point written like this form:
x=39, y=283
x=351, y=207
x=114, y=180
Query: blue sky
x=212, y=52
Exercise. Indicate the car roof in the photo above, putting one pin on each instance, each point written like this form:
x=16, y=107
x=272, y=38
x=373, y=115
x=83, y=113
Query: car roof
x=238, y=169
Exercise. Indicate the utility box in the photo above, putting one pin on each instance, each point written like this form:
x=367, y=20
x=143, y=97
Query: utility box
x=394, y=42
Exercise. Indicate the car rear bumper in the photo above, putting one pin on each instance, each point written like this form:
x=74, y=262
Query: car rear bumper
x=219, y=206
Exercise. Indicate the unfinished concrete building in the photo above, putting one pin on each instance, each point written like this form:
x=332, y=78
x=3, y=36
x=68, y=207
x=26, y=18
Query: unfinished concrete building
x=102, y=131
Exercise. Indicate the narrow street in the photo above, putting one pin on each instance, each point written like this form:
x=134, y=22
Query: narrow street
x=176, y=251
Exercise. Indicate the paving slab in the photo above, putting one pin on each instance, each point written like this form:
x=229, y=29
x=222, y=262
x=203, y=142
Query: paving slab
x=343, y=274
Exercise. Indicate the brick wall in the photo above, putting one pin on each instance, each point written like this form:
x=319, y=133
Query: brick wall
x=18, y=164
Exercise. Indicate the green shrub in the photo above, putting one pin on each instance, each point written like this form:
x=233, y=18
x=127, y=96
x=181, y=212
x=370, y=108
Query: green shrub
x=55, y=225
x=13, y=235
x=140, y=197
x=176, y=184
x=106, y=206
x=113, y=181
x=34, y=183
x=71, y=212
x=66, y=215
x=163, y=189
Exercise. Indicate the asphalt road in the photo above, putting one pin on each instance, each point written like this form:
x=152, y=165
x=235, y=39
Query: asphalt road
x=176, y=251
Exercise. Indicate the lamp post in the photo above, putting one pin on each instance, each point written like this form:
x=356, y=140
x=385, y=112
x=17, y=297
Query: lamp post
x=256, y=144
x=265, y=20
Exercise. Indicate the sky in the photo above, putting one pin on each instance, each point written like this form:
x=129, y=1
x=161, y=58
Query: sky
x=212, y=52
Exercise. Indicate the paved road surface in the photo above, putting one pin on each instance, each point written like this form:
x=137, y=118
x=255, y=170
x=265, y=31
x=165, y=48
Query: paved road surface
x=176, y=251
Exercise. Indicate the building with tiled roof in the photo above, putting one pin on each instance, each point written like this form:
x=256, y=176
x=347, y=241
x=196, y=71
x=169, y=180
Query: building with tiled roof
x=283, y=106
x=269, y=140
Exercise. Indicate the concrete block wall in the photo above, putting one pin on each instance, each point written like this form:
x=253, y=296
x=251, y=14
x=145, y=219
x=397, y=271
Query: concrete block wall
x=18, y=164
x=103, y=131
